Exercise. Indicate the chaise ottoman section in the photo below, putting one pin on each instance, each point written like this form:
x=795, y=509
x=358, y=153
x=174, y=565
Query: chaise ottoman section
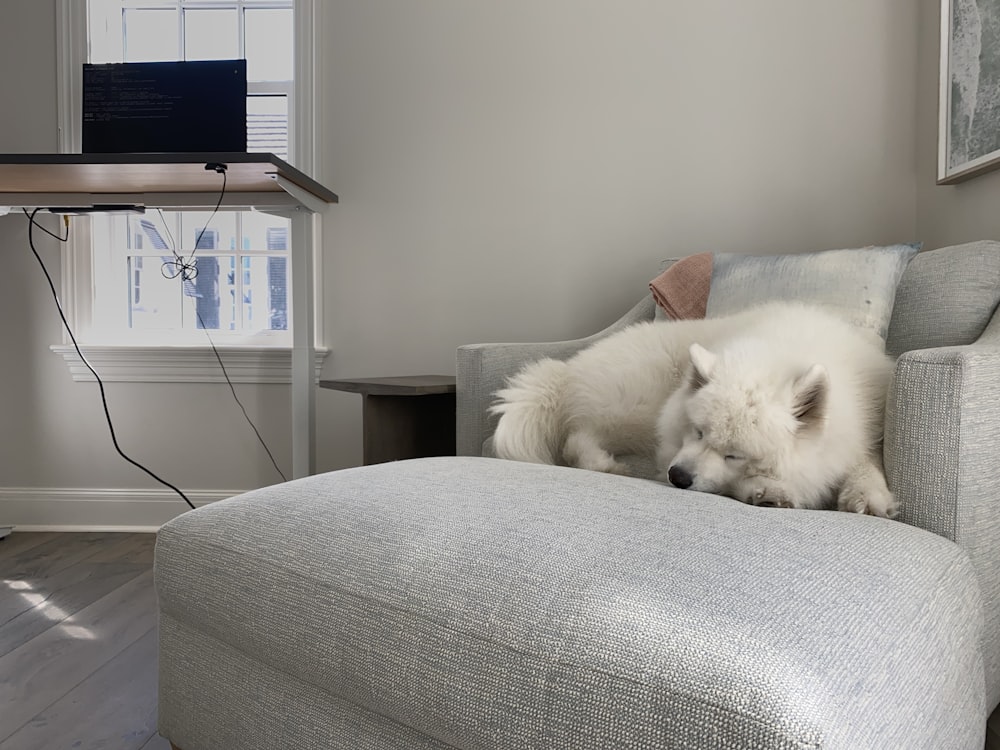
x=476, y=603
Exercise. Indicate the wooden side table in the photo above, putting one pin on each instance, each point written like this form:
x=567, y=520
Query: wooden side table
x=409, y=416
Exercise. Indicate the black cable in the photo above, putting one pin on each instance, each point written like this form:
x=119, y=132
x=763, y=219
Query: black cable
x=240, y=403
x=220, y=169
x=49, y=233
x=104, y=399
x=187, y=270
x=171, y=269
x=166, y=228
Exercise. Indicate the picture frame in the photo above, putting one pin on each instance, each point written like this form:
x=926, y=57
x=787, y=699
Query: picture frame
x=969, y=95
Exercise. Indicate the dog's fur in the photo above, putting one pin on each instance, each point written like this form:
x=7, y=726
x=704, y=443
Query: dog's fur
x=780, y=405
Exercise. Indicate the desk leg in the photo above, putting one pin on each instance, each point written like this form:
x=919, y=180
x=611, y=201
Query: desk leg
x=303, y=339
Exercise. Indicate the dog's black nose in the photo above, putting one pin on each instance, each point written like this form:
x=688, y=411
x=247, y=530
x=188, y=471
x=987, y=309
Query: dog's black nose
x=679, y=478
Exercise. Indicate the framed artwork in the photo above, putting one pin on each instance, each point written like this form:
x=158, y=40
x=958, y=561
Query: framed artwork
x=969, y=99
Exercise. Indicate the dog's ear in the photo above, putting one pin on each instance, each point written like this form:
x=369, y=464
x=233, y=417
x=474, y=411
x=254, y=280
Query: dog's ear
x=702, y=365
x=809, y=396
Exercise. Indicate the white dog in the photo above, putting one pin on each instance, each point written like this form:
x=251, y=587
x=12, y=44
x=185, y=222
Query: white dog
x=780, y=405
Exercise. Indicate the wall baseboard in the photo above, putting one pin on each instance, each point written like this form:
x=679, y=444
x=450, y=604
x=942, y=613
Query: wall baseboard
x=68, y=509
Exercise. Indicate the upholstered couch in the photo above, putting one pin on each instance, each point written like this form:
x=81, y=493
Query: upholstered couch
x=473, y=603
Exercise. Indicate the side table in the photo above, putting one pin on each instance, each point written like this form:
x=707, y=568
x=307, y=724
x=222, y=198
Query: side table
x=409, y=416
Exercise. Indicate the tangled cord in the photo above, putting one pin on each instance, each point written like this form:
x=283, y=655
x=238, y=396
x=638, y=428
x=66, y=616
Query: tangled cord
x=100, y=383
x=187, y=268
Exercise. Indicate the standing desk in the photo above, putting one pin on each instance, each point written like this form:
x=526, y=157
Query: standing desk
x=167, y=180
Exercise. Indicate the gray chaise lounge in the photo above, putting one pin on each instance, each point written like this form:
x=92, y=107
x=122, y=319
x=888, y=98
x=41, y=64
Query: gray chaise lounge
x=472, y=603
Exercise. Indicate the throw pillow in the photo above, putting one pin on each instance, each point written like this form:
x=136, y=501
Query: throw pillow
x=857, y=283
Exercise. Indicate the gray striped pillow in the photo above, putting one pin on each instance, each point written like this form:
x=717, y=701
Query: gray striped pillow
x=859, y=283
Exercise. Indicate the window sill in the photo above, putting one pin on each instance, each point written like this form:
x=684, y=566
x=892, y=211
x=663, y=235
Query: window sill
x=183, y=364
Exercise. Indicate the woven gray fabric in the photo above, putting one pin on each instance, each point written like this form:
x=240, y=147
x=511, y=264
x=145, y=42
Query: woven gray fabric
x=483, y=369
x=946, y=297
x=491, y=604
x=941, y=451
x=215, y=697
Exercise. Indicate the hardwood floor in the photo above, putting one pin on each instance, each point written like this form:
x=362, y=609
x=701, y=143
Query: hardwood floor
x=78, y=642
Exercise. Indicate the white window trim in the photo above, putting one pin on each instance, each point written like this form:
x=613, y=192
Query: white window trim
x=177, y=364
x=182, y=364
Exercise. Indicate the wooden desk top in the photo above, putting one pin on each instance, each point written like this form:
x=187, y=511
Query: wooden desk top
x=403, y=385
x=150, y=173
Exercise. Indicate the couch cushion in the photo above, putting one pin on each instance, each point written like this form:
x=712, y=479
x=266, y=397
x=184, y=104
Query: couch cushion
x=488, y=603
x=859, y=284
x=945, y=297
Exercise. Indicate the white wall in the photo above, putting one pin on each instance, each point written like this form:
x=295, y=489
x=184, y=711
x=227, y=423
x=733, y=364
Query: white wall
x=946, y=214
x=507, y=171
x=520, y=169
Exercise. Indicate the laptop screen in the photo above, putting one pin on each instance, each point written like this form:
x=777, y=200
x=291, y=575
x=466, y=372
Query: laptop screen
x=176, y=107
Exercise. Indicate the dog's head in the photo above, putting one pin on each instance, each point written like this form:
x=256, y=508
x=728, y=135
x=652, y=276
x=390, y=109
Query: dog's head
x=744, y=414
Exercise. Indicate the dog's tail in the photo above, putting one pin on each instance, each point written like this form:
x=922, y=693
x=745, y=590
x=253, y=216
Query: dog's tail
x=530, y=409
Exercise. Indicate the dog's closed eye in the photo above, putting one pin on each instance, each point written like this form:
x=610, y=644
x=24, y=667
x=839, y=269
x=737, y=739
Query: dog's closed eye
x=734, y=457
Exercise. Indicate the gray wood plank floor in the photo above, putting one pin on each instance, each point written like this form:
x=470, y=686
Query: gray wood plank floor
x=78, y=642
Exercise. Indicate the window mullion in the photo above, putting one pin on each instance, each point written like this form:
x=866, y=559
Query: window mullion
x=238, y=275
x=241, y=28
x=239, y=289
x=181, y=34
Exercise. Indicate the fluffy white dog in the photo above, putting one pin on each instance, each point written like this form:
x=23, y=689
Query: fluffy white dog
x=780, y=405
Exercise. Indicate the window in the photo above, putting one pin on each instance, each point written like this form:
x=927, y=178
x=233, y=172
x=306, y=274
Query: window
x=123, y=285
x=237, y=289
x=262, y=31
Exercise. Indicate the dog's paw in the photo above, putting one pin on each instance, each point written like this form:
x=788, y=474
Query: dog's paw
x=867, y=500
x=583, y=449
x=765, y=493
x=605, y=463
x=617, y=467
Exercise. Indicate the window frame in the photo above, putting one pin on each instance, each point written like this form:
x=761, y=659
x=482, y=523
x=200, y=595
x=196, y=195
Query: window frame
x=253, y=363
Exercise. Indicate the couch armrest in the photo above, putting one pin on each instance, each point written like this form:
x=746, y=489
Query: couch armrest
x=483, y=369
x=942, y=455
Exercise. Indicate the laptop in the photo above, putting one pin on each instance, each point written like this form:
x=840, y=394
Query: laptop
x=174, y=107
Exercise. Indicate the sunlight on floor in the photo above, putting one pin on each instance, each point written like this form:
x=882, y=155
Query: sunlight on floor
x=38, y=601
